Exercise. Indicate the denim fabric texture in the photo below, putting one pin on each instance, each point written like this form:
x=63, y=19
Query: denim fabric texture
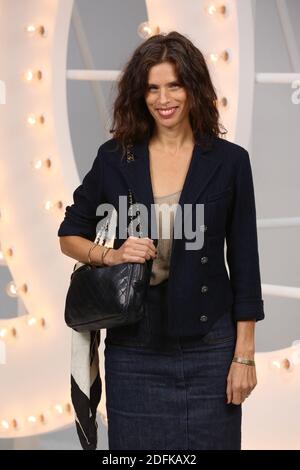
x=166, y=393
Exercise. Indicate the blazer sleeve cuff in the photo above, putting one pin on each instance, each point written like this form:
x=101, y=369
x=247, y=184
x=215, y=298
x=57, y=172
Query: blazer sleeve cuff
x=253, y=310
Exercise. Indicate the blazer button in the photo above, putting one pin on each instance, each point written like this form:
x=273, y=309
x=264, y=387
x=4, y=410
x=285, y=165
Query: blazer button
x=204, y=289
x=203, y=318
x=204, y=259
x=203, y=228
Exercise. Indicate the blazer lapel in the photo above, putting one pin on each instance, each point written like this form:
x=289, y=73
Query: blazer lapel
x=202, y=167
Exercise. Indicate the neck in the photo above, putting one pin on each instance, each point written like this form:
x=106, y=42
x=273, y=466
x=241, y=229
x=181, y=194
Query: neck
x=172, y=140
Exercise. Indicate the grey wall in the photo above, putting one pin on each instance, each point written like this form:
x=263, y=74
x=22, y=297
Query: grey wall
x=276, y=166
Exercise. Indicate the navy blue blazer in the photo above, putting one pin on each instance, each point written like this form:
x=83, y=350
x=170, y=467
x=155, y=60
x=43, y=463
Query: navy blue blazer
x=199, y=288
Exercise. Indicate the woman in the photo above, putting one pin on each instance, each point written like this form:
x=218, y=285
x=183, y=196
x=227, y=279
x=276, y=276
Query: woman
x=176, y=379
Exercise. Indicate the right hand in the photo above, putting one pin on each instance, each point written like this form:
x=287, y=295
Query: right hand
x=133, y=250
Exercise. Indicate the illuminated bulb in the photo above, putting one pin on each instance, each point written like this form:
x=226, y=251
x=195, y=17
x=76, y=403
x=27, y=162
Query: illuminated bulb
x=30, y=75
x=32, y=119
x=213, y=9
x=31, y=419
x=3, y=332
x=282, y=364
x=275, y=364
x=59, y=409
x=5, y=424
x=214, y=57
x=32, y=30
x=11, y=289
x=224, y=56
x=1, y=255
x=39, y=163
x=32, y=321
x=146, y=30
x=49, y=205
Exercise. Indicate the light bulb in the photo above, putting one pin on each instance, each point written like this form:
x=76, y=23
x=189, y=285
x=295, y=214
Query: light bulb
x=32, y=30
x=31, y=321
x=146, y=30
x=282, y=364
x=5, y=424
x=49, y=205
x=31, y=75
x=33, y=119
x=11, y=289
x=214, y=9
x=59, y=409
x=214, y=57
x=39, y=163
x=31, y=419
x=3, y=332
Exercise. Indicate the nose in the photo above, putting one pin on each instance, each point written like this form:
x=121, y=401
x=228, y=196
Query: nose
x=163, y=97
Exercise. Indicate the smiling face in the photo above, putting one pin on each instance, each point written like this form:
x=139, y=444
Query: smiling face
x=166, y=98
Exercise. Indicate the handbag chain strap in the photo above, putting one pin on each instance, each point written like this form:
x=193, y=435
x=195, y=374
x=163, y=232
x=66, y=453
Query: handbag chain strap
x=104, y=229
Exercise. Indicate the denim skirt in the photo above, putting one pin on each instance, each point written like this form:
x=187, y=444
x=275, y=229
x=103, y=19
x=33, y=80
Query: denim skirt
x=169, y=393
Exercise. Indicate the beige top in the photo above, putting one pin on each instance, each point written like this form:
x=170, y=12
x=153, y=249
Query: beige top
x=165, y=215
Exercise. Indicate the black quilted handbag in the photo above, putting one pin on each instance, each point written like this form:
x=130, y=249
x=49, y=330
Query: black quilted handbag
x=107, y=296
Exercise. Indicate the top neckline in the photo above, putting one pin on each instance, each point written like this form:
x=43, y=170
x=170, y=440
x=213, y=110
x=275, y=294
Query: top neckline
x=167, y=195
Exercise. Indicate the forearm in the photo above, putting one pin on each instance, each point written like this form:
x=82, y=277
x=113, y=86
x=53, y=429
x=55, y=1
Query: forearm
x=245, y=342
x=78, y=248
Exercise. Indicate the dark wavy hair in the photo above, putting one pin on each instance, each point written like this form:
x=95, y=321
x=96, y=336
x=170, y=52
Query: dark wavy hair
x=132, y=121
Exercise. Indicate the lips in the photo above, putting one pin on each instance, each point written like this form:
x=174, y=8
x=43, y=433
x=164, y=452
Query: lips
x=168, y=112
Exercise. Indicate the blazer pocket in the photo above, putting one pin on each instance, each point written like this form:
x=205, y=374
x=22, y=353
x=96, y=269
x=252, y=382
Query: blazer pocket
x=220, y=195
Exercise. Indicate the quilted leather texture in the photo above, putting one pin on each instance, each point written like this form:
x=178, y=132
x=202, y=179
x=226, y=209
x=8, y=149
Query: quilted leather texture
x=105, y=297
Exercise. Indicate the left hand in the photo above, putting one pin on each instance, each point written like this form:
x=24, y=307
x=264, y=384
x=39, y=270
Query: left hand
x=241, y=381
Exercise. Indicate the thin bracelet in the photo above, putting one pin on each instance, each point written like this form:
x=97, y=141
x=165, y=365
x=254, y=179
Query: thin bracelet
x=241, y=360
x=90, y=250
x=104, y=253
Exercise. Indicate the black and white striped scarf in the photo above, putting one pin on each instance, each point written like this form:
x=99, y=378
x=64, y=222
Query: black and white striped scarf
x=86, y=385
